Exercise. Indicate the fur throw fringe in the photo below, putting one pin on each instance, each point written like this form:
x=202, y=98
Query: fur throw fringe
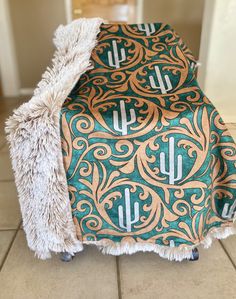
x=33, y=133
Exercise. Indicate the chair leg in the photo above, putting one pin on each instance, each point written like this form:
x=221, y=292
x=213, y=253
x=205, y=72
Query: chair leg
x=66, y=257
x=195, y=255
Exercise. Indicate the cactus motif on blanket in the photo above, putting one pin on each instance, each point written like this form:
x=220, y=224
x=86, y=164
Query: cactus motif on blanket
x=172, y=163
x=147, y=28
x=116, y=59
x=227, y=212
x=193, y=65
x=128, y=221
x=164, y=84
x=124, y=122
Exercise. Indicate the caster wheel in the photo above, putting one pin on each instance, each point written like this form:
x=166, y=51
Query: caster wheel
x=66, y=257
x=195, y=255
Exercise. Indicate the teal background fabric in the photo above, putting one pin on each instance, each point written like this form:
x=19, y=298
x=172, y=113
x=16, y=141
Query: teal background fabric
x=148, y=157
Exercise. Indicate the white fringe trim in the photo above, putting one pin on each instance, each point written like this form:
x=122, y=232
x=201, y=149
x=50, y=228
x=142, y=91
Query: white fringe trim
x=171, y=253
x=33, y=133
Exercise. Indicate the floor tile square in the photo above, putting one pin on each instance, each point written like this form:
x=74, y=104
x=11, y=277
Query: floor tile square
x=230, y=246
x=146, y=275
x=10, y=215
x=2, y=141
x=89, y=275
x=6, y=172
x=4, y=149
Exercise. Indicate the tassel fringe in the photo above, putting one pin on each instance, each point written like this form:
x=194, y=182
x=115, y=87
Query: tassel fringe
x=171, y=253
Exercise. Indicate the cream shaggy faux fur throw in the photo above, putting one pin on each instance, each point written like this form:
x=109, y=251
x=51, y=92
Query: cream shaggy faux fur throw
x=35, y=144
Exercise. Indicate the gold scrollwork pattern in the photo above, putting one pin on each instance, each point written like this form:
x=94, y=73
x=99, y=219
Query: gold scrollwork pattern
x=147, y=156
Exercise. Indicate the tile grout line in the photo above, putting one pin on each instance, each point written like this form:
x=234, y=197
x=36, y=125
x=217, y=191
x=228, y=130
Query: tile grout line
x=118, y=277
x=228, y=255
x=10, y=246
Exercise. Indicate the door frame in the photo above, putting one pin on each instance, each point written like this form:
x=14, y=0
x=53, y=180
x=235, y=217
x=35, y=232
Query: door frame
x=139, y=11
x=8, y=63
x=68, y=10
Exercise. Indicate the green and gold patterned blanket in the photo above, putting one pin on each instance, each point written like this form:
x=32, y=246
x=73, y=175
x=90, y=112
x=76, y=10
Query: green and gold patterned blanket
x=148, y=158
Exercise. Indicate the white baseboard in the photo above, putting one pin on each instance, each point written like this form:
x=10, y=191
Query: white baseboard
x=229, y=119
x=26, y=91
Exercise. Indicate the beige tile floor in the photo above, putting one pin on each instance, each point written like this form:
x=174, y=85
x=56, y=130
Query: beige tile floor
x=93, y=275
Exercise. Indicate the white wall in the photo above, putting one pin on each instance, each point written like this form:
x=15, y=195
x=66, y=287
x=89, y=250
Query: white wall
x=217, y=76
x=184, y=16
x=33, y=23
x=8, y=62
